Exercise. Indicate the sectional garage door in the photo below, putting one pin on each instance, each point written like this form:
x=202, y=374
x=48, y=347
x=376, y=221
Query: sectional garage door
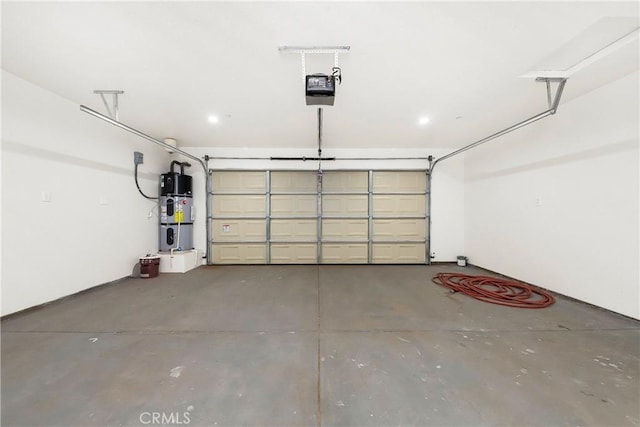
x=337, y=217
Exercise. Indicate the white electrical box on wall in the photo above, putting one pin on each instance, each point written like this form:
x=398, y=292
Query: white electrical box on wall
x=180, y=262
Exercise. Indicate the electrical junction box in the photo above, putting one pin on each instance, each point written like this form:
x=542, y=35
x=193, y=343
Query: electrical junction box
x=138, y=158
x=320, y=89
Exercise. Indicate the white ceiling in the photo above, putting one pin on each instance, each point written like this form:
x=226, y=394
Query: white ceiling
x=180, y=62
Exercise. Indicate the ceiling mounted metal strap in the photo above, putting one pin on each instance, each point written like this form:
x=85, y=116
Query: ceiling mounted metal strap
x=112, y=113
x=314, y=49
x=549, y=93
x=303, y=59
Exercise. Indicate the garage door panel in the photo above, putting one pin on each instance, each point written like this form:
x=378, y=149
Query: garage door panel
x=345, y=182
x=241, y=219
x=399, y=182
x=347, y=205
x=238, y=206
x=283, y=206
x=294, y=253
x=398, y=205
x=294, y=230
x=398, y=229
x=238, y=230
x=344, y=253
x=398, y=253
x=226, y=253
x=294, y=182
x=238, y=182
x=348, y=229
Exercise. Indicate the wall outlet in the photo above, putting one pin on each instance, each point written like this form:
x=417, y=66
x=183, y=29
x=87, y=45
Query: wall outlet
x=137, y=158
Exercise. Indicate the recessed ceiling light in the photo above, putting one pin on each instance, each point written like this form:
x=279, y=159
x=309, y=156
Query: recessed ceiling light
x=213, y=119
x=423, y=120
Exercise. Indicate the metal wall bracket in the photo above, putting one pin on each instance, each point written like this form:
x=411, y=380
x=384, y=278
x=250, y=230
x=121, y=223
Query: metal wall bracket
x=112, y=113
x=548, y=81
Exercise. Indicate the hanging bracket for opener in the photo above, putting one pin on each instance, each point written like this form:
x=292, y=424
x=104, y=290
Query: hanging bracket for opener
x=304, y=50
x=112, y=113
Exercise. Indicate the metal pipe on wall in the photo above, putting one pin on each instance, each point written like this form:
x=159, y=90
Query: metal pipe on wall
x=142, y=135
x=169, y=147
x=494, y=136
x=552, y=110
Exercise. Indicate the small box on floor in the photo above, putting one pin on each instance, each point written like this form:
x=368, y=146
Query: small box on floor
x=149, y=266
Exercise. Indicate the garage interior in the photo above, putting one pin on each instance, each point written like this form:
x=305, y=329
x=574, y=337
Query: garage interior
x=303, y=171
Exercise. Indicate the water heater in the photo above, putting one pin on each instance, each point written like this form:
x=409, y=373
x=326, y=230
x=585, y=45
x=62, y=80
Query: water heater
x=176, y=209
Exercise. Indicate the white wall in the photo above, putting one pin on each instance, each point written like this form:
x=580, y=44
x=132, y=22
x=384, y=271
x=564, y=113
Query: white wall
x=556, y=204
x=448, y=183
x=57, y=248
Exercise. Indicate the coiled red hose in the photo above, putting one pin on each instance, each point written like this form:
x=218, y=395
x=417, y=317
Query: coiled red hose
x=495, y=291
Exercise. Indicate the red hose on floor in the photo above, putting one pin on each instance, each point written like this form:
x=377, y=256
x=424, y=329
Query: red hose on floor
x=495, y=291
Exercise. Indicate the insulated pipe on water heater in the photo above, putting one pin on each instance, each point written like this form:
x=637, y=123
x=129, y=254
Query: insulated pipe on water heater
x=172, y=149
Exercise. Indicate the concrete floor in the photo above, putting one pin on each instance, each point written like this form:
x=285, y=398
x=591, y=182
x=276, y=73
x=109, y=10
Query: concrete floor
x=309, y=345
